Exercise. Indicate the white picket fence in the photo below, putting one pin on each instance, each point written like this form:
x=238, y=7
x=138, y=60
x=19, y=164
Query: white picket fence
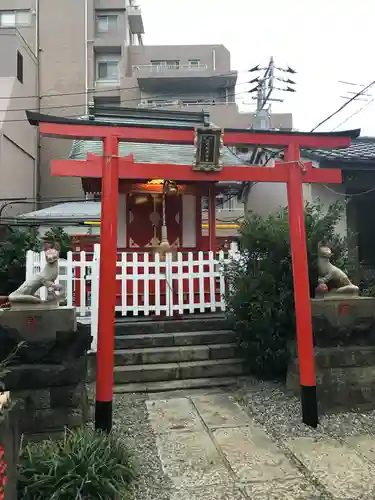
x=188, y=282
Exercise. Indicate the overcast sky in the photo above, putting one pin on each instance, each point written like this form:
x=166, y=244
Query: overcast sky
x=323, y=40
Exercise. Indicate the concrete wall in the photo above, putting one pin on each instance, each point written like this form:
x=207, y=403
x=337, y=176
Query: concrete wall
x=62, y=71
x=267, y=198
x=18, y=141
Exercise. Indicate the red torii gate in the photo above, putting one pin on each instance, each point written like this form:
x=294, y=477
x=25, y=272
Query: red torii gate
x=110, y=167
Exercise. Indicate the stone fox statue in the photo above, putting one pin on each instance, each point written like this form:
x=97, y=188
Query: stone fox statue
x=47, y=276
x=332, y=280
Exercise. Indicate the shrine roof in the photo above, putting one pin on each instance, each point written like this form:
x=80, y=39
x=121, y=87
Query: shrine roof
x=71, y=210
x=361, y=150
x=182, y=154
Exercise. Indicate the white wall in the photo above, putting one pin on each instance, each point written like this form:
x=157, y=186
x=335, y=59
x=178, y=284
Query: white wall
x=267, y=198
x=327, y=195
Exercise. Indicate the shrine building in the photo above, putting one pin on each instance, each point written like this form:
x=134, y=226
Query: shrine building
x=142, y=204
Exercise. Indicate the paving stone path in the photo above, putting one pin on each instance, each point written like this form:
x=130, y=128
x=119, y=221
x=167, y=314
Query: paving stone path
x=212, y=450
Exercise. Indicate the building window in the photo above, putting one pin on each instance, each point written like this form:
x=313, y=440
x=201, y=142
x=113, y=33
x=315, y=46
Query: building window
x=106, y=23
x=108, y=68
x=19, y=67
x=12, y=18
x=194, y=63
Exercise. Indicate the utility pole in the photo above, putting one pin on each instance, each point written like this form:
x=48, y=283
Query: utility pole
x=264, y=89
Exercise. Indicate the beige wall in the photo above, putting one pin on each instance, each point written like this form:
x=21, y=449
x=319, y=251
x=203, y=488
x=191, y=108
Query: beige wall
x=62, y=71
x=17, y=178
x=18, y=141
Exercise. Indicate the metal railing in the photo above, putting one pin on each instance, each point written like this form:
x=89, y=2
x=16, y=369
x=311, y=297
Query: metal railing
x=164, y=68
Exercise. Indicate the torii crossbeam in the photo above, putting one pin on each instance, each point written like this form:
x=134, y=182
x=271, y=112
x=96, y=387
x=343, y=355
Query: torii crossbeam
x=110, y=168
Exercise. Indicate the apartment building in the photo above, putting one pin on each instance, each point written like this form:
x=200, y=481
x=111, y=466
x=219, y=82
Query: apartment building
x=18, y=144
x=81, y=51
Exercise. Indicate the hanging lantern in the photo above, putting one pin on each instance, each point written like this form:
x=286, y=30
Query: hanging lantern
x=170, y=187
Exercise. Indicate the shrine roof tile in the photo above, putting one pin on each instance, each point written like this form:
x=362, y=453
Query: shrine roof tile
x=182, y=154
x=361, y=150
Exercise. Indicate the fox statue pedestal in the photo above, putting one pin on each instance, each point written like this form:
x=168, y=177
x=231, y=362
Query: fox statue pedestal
x=344, y=336
x=47, y=375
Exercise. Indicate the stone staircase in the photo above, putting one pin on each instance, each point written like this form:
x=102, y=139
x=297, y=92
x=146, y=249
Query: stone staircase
x=193, y=352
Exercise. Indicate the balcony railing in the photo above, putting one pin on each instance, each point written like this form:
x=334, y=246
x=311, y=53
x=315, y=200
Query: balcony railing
x=164, y=68
x=162, y=104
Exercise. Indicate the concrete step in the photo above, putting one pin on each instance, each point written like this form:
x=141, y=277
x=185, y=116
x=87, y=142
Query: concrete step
x=174, y=354
x=175, y=385
x=175, y=339
x=190, y=324
x=174, y=371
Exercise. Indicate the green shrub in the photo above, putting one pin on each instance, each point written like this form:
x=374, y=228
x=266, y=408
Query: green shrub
x=85, y=465
x=261, y=284
x=58, y=235
x=13, y=250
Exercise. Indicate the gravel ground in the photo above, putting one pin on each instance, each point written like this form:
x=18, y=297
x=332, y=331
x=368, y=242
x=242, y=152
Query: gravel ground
x=131, y=418
x=279, y=412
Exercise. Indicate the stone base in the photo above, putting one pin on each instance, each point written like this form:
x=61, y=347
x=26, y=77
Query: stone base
x=47, y=412
x=37, y=322
x=345, y=378
x=343, y=321
x=62, y=347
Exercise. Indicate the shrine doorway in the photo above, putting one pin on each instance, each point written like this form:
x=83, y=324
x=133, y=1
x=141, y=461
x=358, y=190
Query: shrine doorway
x=144, y=217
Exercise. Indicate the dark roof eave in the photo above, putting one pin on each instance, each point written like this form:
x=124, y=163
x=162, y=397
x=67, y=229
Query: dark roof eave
x=35, y=119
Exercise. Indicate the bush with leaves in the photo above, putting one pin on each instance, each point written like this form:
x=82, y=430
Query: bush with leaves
x=58, y=235
x=261, y=283
x=85, y=465
x=13, y=247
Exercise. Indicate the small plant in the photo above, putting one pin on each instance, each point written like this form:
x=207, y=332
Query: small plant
x=85, y=465
x=4, y=371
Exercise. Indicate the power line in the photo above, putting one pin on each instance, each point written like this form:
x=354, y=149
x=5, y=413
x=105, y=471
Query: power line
x=355, y=113
x=124, y=101
x=46, y=96
x=344, y=105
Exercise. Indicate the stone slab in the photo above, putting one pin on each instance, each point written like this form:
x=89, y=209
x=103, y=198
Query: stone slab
x=173, y=414
x=364, y=445
x=344, y=473
x=39, y=323
x=253, y=456
x=174, y=385
x=298, y=489
x=220, y=411
x=216, y=492
x=190, y=460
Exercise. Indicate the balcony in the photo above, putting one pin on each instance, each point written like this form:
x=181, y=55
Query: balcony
x=193, y=77
x=135, y=20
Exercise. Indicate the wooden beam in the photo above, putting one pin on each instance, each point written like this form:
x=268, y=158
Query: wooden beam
x=93, y=168
x=166, y=135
